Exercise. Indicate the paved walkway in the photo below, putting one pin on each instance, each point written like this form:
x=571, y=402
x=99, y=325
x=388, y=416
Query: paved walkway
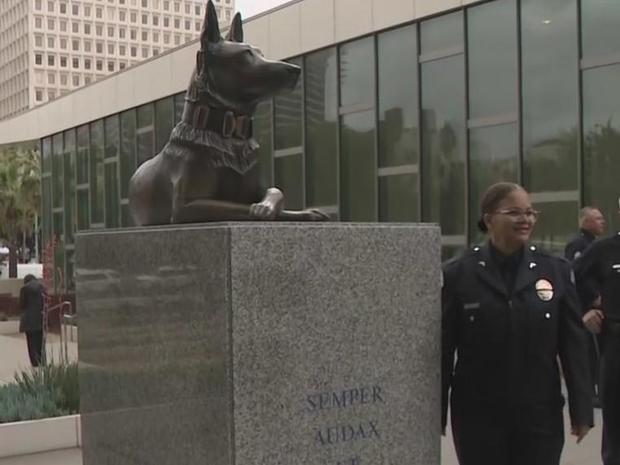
x=14, y=352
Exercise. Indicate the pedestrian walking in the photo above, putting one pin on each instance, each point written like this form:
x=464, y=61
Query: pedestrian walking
x=508, y=311
x=598, y=282
x=31, y=322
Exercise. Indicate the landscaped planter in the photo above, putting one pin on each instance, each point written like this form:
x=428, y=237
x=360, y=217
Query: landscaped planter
x=30, y=437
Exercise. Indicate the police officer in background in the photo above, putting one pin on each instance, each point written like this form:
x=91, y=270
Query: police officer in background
x=508, y=311
x=598, y=274
x=591, y=226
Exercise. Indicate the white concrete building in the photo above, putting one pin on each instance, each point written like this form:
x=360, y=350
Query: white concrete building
x=50, y=47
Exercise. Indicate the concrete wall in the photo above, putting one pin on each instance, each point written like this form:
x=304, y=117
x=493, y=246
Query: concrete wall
x=295, y=28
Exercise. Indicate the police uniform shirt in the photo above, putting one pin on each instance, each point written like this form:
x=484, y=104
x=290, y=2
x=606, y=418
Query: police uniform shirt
x=576, y=247
x=506, y=341
x=598, y=272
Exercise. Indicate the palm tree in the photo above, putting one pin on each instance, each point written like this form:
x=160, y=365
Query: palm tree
x=20, y=181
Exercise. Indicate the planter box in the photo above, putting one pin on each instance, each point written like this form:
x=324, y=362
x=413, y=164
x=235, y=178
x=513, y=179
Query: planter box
x=31, y=437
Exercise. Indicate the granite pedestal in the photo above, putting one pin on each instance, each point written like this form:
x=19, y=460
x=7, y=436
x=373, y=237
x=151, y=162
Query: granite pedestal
x=260, y=344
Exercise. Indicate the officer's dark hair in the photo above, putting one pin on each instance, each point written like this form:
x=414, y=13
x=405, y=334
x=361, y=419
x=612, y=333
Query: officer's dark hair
x=491, y=199
x=28, y=278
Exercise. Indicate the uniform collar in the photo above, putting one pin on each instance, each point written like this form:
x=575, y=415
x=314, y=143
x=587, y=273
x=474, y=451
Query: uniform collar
x=488, y=272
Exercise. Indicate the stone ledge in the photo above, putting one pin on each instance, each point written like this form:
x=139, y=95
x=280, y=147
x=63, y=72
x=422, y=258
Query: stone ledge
x=31, y=437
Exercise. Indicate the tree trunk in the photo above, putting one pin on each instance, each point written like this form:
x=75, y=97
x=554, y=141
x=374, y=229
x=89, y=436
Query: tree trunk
x=12, y=260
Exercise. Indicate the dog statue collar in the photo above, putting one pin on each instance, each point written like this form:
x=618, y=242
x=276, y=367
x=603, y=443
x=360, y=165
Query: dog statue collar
x=223, y=122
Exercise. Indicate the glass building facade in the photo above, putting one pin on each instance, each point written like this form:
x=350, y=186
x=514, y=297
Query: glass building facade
x=404, y=125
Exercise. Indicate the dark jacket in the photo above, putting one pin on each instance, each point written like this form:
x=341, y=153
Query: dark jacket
x=598, y=273
x=578, y=245
x=507, y=343
x=31, y=298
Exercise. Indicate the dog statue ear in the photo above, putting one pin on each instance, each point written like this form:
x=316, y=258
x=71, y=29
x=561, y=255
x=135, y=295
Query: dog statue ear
x=235, y=33
x=210, y=28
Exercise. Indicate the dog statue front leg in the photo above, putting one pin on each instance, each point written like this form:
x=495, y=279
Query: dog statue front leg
x=270, y=207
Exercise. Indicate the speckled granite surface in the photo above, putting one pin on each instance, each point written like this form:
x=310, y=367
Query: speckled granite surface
x=260, y=344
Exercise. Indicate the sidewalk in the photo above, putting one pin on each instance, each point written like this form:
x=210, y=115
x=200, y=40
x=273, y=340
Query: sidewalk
x=14, y=352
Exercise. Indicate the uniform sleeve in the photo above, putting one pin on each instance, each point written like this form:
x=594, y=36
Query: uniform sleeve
x=587, y=276
x=574, y=354
x=22, y=298
x=450, y=306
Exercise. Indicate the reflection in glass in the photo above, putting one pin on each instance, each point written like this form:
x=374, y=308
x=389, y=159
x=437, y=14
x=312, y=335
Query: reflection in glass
x=46, y=200
x=443, y=139
x=179, y=103
x=111, y=127
x=600, y=34
x=289, y=179
x=83, y=221
x=262, y=134
x=550, y=94
x=287, y=108
x=127, y=150
x=57, y=169
x=601, y=135
x=493, y=157
x=69, y=177
x=556, y=225
x=398, y=97
x=111, y=195
x=492, y=59
x=164, y=121
x=96, y=172
x=46, y=155
x=145, y=134
x=398, y=198
x=357, y=70
x=443, y=33
x=358, y=174
x=82, y=161
x=321, y=84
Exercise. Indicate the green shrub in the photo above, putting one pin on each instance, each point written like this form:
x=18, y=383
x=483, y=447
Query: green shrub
x=43, y=392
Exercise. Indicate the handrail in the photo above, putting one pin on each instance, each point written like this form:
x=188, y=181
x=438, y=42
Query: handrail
x=64, y=349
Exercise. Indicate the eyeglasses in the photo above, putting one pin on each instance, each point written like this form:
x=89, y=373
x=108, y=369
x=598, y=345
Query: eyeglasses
x=515, y=214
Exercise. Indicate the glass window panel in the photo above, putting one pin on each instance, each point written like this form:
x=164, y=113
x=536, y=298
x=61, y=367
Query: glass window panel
x=321, y=84
x=46, y=155
x=493, y=157
x=358, y=173
x=111, y=195
x=112, y=130
x=289, y=179
x=398, y=97
x=145, y=146
x=82, y=161
x=550, y=94
x=164, y=121
x=492, y=55
x=262, y=133
x=57, y=171
x=96, y=172
x=556, y=225
x=127, y=150
x=601, y=134
x=287, y=109
x=357, y=71
x=145, y=115
x=442, y=33
x=83, y=220
x=443, y=138
x=58, y=225
x=69, y=270
x=126, y=220
x=179, y=103
x=398, y=198
x=59, y=267
x=46, y=194
x=600, y=34
x=69, y=176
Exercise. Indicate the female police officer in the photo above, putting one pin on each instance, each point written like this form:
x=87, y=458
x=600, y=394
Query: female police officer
x=508, y=310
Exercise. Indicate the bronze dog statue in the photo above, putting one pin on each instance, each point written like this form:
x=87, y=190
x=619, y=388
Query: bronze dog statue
x=208, y=170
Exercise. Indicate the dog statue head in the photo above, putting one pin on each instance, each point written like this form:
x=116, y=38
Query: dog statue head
x=233, y=75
